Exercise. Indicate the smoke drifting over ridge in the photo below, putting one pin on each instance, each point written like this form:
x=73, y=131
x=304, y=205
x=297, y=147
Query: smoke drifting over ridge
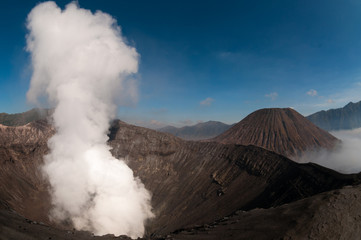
x=80, y=63
x=345, y=158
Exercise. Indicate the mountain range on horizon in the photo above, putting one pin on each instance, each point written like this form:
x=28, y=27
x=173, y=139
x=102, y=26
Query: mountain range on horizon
x=345, y=118
x=200, y=131
x=19, y=119
x=203, y=130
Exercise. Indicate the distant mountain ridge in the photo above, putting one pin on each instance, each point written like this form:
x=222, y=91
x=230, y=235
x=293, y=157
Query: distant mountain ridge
x=20, y=119
x=282, y=130
x=348, y=117
x=199, y=131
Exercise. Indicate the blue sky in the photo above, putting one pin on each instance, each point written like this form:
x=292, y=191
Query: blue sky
x=215, y=60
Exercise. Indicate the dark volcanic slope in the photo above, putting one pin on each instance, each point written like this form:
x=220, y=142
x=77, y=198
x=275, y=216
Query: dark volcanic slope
x=21, y=185
x=331, y=215
x=192, y=183
x=197, y=182
x=282, y=130
x=199, y=131
x=15, y=227
x=348, y=117
x=20, y=119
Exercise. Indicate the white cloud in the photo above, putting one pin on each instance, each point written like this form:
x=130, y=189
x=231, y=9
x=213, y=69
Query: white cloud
x=312, y=92
x=344, y=96
x=332, y=100
x=207, y=102
x=156, y=123
x=272, y=96
x=344, y=158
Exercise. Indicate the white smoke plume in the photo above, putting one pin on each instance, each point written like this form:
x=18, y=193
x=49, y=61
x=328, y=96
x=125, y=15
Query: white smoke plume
x=345, y=158
x=81, y=63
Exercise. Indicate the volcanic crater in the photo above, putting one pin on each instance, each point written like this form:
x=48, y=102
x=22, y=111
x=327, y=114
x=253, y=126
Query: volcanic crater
x=200, y=190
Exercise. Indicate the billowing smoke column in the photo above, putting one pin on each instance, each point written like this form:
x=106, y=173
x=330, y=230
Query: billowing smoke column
x=80, y=63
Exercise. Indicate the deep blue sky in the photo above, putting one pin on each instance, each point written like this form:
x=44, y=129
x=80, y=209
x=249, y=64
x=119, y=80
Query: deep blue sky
x=215, y=60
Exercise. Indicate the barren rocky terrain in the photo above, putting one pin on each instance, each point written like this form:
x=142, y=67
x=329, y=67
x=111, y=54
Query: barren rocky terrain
x=194, y=184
